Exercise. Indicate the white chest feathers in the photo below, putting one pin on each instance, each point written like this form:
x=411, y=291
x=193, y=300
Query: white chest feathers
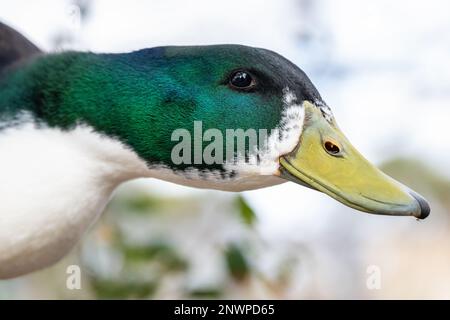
x=54, y=185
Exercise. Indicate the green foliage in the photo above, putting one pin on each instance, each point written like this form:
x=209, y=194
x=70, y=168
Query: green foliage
x=246, y=212
x=237, y=264
x=164, y=253
x=142, y=204
x=122, y=289
x=207, y=293
x=136, y=202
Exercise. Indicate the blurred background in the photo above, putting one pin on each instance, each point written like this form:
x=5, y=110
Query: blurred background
x=383, y=68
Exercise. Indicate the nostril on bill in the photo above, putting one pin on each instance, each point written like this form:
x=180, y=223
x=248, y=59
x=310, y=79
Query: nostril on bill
x=424, y=206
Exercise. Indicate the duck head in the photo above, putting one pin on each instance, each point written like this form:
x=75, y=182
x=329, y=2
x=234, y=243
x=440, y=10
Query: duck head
x=236, y=87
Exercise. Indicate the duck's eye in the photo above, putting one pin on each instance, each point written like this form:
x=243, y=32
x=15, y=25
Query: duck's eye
x=331, y=148
x=241, y=80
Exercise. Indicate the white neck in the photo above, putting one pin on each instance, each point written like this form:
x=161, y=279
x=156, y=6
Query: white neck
x=54, y=184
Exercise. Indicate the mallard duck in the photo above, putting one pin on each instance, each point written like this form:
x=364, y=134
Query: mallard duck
x=75, y=125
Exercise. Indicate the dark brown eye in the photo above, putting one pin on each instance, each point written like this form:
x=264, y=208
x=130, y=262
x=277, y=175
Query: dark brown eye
x=331, y=148
x=242, y=80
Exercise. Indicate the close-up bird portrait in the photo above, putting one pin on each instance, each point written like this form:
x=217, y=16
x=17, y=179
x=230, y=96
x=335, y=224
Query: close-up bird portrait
x=160, y=150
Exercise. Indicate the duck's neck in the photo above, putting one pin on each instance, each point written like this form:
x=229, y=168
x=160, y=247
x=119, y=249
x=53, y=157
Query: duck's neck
x=100, y=90
x=57, y=173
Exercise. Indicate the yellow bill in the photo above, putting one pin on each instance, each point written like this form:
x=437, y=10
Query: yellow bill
x=325, y=160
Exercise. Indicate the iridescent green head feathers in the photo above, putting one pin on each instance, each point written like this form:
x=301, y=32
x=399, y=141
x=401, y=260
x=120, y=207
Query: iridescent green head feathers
x=142, y=97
